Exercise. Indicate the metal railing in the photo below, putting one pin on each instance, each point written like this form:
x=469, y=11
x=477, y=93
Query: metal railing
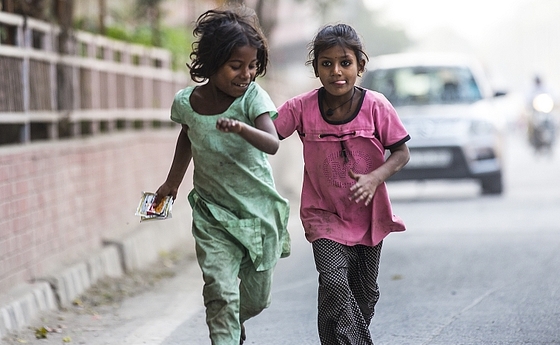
x=100, y=85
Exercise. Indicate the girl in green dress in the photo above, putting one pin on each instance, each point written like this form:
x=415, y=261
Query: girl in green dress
x=239, y=219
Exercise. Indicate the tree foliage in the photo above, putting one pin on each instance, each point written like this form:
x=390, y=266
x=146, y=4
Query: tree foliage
x=151, y=10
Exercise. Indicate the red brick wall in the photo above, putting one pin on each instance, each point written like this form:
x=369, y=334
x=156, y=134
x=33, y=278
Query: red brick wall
x=58, y=200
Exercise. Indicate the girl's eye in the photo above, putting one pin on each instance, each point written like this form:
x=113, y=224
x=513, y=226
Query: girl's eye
x=326, y=63
x=237, y=67
x=345, y=63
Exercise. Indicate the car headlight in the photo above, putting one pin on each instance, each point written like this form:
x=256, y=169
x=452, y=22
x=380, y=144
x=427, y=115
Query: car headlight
x=481, y=127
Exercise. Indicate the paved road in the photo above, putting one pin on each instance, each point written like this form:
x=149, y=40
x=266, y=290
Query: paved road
x=470, y=269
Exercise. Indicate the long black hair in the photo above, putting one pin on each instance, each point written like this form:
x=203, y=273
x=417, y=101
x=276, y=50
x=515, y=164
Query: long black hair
x=219, y=32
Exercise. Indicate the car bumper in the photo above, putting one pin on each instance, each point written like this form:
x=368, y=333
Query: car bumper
x=431, y=163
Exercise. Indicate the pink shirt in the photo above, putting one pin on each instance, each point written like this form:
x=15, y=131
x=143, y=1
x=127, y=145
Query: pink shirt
x=330, y=150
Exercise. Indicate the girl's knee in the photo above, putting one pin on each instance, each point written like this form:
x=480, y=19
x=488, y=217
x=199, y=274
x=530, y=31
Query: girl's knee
x=334, y=284
x=249, y=310
x=257, y=301
x=219, y=294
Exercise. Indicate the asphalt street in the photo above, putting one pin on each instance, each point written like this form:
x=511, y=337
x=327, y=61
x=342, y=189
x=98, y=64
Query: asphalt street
x=470, y=269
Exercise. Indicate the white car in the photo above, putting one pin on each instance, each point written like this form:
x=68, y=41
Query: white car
x=447, y=105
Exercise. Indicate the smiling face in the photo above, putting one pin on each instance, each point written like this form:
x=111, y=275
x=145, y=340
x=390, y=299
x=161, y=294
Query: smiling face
x=338, y=69
x=234, y=76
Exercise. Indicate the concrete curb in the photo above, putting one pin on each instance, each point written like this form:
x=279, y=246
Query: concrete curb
x=76, y=279
x=139, y=248
x=24, y=304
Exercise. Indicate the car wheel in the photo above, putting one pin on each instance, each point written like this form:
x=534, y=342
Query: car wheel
x=492, y=184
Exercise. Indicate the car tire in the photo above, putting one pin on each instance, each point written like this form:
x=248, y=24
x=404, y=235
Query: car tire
x=492, y=184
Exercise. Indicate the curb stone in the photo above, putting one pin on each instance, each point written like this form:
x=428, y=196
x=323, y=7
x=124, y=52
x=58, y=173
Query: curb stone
x=27, y=301
x=138, y=249
x=24, y=304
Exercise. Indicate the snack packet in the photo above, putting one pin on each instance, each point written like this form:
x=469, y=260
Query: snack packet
x=148, y=211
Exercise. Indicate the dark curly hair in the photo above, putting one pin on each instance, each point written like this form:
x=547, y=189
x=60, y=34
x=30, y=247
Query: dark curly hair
x=335, y=35
x=218, y=33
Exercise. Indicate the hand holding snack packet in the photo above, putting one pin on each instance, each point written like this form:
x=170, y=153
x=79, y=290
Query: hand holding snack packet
x=148, y=209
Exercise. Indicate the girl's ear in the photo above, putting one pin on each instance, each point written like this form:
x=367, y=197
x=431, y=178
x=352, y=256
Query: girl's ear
x=362, y=67
x=315, y=69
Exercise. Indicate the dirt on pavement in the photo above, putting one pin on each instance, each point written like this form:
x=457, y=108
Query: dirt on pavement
x=98, y=308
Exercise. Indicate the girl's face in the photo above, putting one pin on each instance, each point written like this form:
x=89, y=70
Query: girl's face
x=338, y=69
x=234, y=76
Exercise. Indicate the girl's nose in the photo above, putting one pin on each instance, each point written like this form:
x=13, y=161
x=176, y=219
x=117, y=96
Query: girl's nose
x=246, y=73
x=336, y=70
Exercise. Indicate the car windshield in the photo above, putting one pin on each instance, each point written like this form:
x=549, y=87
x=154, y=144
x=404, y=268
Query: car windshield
x=424, y=85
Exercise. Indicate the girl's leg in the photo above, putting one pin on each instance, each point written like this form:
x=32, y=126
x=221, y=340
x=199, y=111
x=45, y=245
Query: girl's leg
x=340, y=319
x=219, y=256
x=363, y=279
x=254, y=289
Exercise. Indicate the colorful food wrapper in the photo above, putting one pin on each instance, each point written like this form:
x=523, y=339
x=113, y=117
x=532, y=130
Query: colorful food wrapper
x=148, y=211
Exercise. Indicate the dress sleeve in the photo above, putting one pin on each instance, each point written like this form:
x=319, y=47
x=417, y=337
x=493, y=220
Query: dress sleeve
x=390, y=129
x=259, y=102
x=288, y=118
x=178, y=107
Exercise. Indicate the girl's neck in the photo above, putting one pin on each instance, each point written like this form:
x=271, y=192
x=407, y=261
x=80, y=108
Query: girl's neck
x=331, y=109
x=341, y=107
x=209, y=100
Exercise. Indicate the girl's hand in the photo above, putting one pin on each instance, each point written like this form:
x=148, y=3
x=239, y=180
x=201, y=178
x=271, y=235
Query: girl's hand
x=163, y=191
x=262, y=136
x=365, y=187
x=229, y=125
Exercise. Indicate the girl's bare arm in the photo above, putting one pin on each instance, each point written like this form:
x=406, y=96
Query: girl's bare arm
x=181, y=161
x=263, y=136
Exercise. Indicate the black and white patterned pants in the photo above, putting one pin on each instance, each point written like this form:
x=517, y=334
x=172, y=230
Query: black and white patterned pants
x=348, y=291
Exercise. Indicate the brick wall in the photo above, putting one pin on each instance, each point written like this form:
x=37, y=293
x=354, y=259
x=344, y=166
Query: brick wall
x=59, y=200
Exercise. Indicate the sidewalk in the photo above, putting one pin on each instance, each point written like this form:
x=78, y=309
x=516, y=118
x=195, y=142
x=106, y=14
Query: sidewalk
x=138, y=249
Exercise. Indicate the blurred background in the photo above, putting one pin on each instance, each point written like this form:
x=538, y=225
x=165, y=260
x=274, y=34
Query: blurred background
x=85, y=91
x=515, y=40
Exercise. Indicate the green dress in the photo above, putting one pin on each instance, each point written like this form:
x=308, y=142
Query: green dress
x=233, y=181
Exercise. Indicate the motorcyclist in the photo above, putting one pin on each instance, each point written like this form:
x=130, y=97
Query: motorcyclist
x=541, y=125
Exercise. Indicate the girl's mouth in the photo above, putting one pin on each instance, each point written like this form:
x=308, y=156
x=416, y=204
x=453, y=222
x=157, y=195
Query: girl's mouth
x=241, y=85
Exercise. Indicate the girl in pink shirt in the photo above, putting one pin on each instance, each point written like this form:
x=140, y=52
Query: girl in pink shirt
x=345, y=207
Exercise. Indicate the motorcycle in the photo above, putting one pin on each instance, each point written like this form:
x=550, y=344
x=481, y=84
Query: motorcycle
x=542, y=126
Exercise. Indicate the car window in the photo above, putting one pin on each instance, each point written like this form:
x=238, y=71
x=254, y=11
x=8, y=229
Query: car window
x=424, y=85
